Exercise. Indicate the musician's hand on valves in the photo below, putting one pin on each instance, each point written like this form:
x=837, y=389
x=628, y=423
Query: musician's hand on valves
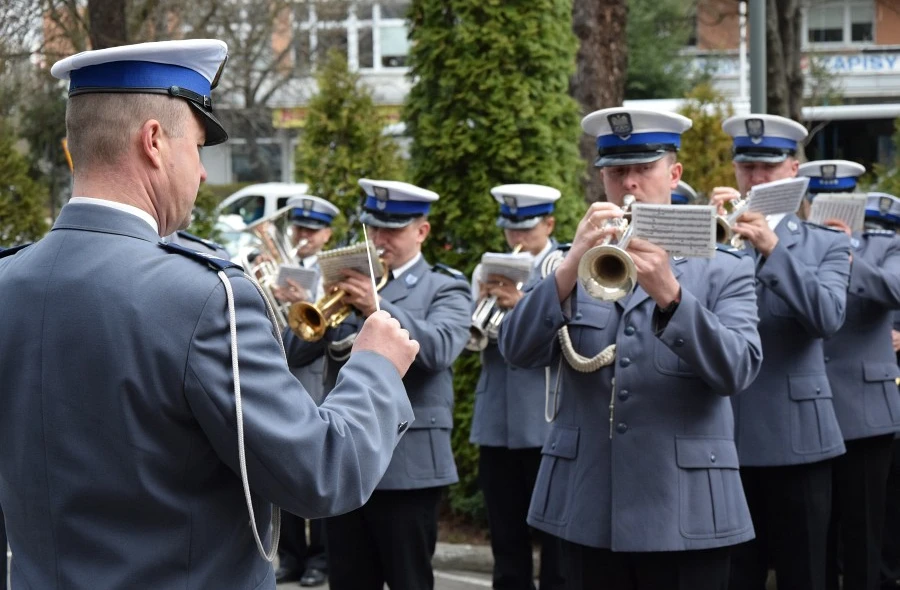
x=504, y=289
x=292, y=293
x=895, y=340
x=592, y=230
x=720, y=195
x=754, y=228
x=654, y=273
x=359, y=291
x=382, y=334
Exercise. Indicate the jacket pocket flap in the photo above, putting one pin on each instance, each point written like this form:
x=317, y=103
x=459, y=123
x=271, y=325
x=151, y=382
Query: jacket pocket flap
x=706, y=453
x=807, y=387
x=562, y=442
x=880, y=371
x=432, y=417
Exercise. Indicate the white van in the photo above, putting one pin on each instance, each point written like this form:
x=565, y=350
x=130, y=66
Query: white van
x=259, y=200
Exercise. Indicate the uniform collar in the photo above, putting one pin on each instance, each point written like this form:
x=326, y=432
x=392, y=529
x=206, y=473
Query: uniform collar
x=397, y=272
x=98, y=218
x=121, y=207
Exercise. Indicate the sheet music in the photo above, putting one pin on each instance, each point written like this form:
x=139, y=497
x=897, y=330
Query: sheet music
x=778, y=197
x=334, y=262
x=848, y=207
x=307, y=278
x=681, y=230
x=516, y=267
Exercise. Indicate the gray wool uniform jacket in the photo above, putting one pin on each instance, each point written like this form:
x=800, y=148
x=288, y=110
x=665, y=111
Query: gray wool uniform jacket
x=435, y=308
x=118, y=438
x=860, y=358
x=787, y=416
x=510, y=400
x=641, y=456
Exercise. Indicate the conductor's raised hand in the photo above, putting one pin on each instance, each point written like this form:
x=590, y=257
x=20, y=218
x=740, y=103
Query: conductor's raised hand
x=382, y=334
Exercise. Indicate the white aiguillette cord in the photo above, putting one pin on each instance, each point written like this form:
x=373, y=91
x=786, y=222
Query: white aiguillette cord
x=239, y=411
x=371, y=268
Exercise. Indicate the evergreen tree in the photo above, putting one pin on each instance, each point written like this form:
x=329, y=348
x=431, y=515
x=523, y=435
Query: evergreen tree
x=489, y=105
x=705, y=147
x=343, y=140
x=657, y=31
x=22, y=214
x=889, y=177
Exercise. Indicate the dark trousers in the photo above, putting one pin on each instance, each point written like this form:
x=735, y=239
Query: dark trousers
x=791, y=509
x=854, y=539
x=391, y=540
x=294, y=552
x=890, y=552
x=589, y=568
x=3, y=560
x=507, y=479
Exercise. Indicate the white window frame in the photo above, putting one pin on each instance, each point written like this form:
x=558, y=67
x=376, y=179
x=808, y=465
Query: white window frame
x=847, y=36
x=353, y=25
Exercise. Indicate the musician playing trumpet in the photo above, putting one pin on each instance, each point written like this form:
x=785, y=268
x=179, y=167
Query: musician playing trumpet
x=639, y=474
x=508, y=422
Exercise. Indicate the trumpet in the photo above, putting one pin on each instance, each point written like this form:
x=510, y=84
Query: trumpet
x=724, y=232
x=486, y=319
x=607, y=271
x=311, y=320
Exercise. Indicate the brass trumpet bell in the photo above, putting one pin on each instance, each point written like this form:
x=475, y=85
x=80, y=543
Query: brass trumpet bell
x=607, y=271
x=724, y=232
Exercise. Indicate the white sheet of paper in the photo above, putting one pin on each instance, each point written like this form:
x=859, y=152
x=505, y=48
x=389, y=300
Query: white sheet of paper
x=515, y=267
x=305, y=277
x=681, y=230
x=779, y=196
x=847, y=207
x=334, y=262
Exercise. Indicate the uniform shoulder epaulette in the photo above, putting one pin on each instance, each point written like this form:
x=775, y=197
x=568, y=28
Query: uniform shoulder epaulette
x=4, y=252
x=729, y=249
x=194, y=238
x=562, y=247
x=211, y=261
x=819, y=226
x=447, y=270
x=880, y=232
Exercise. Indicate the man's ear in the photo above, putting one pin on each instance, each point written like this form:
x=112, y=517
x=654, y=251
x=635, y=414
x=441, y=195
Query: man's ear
x=150, y=139
x=423, y=230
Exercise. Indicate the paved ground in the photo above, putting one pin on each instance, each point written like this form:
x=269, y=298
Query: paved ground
x=443, y=580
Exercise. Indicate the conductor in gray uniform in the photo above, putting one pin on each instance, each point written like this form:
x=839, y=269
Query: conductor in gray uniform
x=140, y=379
x=509, y=422
x=639, y=475
x=310, y=229
x=392, y=538
x=861, y=368
x=786, y=428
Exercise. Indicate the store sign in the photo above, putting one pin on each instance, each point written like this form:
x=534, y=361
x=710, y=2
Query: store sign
x=849, y=63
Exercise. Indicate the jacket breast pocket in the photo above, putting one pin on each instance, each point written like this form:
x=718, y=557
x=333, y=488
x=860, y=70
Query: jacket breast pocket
x=711, y=496
x=588, y=328
x=428, y=452
x=881, y=397
x=669, y=363
x=814, y=427
x=553, y=488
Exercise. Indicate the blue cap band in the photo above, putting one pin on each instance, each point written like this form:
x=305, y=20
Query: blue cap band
x=300, y=214
x=525, y=212
x=638, y=139
x=766, y=142
x=874, y=213
x=397, y=207
x=818, y=184
x=679, y=199
x=137, y=75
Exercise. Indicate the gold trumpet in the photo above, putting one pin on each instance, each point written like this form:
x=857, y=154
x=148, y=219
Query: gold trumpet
x=486, y=319
x=607, y=271
x=311, y=320
x=724, y=232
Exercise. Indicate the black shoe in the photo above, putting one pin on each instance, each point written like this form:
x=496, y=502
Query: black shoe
x=284, y=574
x=312, y=577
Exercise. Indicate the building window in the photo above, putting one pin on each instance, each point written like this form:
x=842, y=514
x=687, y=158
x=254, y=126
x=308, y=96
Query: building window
x=263, y=165
x=840, y=22
x=372, y=35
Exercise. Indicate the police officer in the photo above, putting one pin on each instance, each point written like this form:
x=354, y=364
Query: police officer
x=684, y=194
x=149, y=417
x=786, y=428
x=392, y=538
x=310, y=229
x=626, y=469
x=508, y=422
x=890, y=553
x=862, y=369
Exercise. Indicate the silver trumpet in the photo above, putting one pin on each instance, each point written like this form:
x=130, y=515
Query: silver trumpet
x=724, y=232
x=486, y=319
x=607, y=271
